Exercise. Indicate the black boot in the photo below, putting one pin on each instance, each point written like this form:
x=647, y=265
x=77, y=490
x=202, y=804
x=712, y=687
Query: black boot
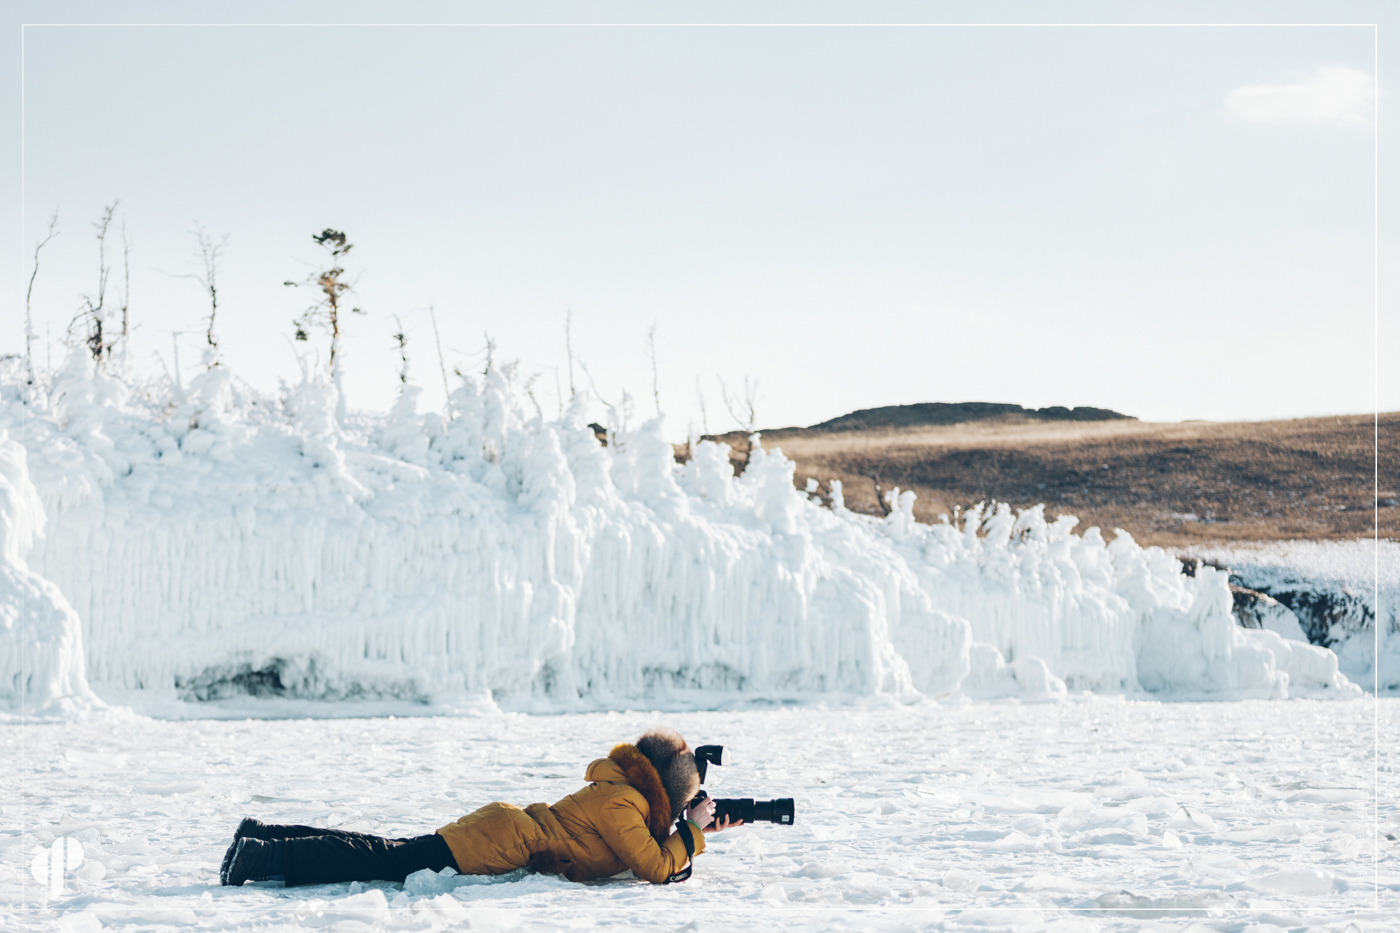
x=248, y=828
x=254, y=860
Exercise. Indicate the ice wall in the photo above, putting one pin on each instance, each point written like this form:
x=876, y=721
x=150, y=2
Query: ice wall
x=41, y=648
x=226, y=542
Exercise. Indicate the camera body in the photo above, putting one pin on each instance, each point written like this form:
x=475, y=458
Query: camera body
x=781, y=810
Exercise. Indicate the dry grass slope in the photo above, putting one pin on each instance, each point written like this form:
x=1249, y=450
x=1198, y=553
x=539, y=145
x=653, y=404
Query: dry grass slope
x=1166, y=484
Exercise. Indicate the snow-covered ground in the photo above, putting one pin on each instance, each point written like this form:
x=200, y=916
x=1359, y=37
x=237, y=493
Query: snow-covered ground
x=1087, y=813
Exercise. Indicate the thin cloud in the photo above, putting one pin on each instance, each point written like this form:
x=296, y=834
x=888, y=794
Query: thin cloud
x=1328, y=95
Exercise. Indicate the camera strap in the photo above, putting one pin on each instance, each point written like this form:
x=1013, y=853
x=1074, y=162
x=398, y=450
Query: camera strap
x=687, y=837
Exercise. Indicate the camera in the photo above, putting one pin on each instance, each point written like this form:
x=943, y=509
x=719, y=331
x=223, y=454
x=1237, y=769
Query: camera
x=747, y=809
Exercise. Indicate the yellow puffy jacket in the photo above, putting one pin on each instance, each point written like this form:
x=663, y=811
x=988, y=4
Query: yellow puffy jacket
x=621, y=820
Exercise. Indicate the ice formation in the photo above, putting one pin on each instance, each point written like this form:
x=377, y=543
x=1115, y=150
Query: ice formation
x=41, y=650
x=220, y=542
x=1342, y=595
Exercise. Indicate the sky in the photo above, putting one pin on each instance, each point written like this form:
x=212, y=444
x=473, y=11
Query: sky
x=943, y=202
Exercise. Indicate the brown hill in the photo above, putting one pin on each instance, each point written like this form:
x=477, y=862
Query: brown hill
x=1168, y=484
x=930, y=413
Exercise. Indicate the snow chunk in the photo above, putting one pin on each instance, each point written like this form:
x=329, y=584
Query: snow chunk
x=428, y=883
x=937, y=647
x=990, y=676
x=1296, y=882
x=1306, y=665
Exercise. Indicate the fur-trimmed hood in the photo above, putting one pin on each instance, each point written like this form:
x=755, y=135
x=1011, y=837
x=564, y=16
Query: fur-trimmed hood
x=626, y=765
x=661, y=768
x=674, y=763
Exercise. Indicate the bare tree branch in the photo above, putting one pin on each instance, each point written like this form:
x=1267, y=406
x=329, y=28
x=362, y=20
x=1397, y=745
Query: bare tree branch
x=92, y=314
x=401, y=344
x=651, y=357
x=744, y=410
x=490, y=354
x=442, y=364
x=29, y=334
x=704, y=415
x=175, y=344
x=883, y=505
x=569, y=348
x=612, y=409
x=126, y=290
x=529, y=386
x=209, y=254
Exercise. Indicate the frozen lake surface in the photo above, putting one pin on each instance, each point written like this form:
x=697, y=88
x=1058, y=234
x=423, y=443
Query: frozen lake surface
x=1084, y=814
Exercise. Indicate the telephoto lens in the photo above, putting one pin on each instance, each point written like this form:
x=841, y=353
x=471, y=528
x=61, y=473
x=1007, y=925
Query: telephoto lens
x=755, y=811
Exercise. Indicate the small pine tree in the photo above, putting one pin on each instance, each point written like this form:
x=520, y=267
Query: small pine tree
x=331, y=283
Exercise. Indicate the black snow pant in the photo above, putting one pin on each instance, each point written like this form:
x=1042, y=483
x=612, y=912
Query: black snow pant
x=326, y=856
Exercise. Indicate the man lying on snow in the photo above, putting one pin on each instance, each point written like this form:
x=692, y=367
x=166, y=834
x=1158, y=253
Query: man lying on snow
x=621, y=820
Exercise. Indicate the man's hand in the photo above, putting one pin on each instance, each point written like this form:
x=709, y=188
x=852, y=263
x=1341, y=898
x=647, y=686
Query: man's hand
x=702, y=814
x=716, y=827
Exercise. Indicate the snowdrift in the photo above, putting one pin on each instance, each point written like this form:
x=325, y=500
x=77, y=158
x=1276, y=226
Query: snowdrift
x=219, y=541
